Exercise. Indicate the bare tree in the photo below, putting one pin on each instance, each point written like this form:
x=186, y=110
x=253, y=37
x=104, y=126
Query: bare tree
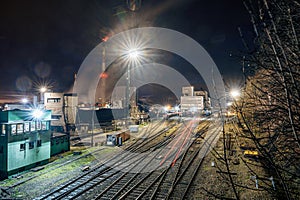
x=269, y=109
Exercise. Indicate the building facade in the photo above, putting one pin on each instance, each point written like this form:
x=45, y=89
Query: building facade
x=192, y=104
x=54, y=101
x=24, y=140
x=70, y=103
x=193, y=101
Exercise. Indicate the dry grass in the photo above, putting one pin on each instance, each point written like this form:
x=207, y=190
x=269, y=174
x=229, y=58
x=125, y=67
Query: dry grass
x=212, y=182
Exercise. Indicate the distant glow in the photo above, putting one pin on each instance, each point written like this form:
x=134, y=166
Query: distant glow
x=24, y=100
x=37, y=113
x=167, y=108
x=235, y=93
x=229, y=103
x=105, y=39
x=43, y=89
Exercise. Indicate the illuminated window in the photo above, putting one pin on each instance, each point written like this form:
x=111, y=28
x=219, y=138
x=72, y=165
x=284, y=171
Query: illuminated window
x=19, y=128
x=38, y=125
x=53, y=100
x=3, y=132
x=32, y=126
x=44, y=125
x=26, y=126
x=13, y=129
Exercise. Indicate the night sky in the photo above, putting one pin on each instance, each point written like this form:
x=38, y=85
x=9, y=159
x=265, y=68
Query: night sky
x=46, y=41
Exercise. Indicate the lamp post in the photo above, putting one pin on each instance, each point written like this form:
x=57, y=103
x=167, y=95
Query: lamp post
x=93, y=126
x=24, y=101
x=133, y=56
x=42, y=91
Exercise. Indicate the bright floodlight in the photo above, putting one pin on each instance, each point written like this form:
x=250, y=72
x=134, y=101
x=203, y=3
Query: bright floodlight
x=235, y=93
x=43, y=89
x=134, y=54
x=24, y=100
x=37, y=114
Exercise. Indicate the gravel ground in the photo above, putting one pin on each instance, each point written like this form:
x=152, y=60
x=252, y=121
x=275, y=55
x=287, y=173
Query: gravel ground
x=212, y=182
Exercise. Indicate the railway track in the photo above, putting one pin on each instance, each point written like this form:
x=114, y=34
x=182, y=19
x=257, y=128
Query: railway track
x=159, y=184
x=192, y=164
x=176, y=159
x=110, y=170
x=155, y=183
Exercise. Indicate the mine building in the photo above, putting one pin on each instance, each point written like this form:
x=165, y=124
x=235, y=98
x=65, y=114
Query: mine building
x=24, y=140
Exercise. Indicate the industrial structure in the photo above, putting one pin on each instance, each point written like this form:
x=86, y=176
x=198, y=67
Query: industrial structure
x=70, y=103
x=194, y=101
x=64, y=110
x=24, y=140
x=54, y=101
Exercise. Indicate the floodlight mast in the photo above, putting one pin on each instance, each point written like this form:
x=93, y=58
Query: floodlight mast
x=42, y=91
x=133, y=56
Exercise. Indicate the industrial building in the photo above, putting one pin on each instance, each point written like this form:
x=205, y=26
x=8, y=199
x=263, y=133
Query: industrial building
x=194, y=101
x=24, y=140
x=64, y=110
x=70, y=103
x=54, y=101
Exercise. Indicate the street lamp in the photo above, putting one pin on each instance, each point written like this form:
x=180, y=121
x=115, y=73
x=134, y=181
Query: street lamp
x=42, y=91
x=134, y=54
x=24, y=100
x=133, y=57
x=235, y=93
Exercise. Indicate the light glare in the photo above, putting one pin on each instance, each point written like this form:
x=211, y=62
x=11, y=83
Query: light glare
x=235, y=93
x=43, y=89
x=37, y=113
x=134, y=54
x=24, y=100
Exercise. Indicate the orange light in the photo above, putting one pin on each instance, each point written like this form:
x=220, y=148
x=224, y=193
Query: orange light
x=103, y=75
x=105, y=38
